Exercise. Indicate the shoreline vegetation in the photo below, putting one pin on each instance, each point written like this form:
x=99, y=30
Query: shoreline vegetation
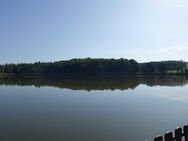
x=101, y=67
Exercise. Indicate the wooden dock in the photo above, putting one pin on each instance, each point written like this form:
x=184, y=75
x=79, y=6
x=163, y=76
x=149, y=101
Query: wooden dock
x=180, y=134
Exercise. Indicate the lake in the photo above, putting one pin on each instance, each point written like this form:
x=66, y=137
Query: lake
x=129, y=108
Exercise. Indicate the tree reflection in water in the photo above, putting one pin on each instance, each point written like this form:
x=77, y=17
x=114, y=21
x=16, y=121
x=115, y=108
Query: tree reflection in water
x=96, y=82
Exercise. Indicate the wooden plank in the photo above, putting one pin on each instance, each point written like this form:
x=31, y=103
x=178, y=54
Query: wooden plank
x=168, y=136
x=185, y=131
x=178, y=134
x=158, y=138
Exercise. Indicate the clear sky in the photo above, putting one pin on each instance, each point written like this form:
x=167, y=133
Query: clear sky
x=52, y=30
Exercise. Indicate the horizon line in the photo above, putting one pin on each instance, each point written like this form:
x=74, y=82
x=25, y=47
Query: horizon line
x=92, y=58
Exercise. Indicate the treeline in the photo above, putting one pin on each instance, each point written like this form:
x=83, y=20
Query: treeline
x=164, y=67
x=96, y=66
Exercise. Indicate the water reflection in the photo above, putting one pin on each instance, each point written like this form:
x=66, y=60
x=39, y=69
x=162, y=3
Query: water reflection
x=48, y=114
x=96, y=83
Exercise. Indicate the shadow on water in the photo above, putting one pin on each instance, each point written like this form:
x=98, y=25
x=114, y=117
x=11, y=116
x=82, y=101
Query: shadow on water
x=95, y=83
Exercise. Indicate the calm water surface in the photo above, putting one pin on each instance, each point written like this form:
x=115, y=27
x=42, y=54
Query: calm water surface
x=91, y=109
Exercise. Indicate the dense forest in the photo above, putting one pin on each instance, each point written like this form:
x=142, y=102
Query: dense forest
x=96, y=66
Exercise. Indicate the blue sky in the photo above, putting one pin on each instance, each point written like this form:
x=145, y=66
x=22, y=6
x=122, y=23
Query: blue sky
x=52, y=30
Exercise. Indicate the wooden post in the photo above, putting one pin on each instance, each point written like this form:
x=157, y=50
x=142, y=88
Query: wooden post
x=158, y=138
x=168, y=136
x=185, y=131
x=178, y=134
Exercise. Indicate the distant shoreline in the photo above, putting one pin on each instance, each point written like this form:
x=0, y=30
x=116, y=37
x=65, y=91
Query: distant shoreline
x=94, y=67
